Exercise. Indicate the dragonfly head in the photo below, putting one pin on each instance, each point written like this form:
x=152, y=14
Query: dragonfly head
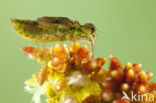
x=92, y=31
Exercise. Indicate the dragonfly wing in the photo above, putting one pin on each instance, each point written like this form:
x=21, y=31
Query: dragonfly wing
x=57, y=21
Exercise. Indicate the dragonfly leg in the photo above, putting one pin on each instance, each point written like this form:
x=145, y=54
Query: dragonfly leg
x=92, y=48
x=53, y=55
x=75, y=51
x=44, y=50
x=42, y=73
x=45, y=54
x=37, y=45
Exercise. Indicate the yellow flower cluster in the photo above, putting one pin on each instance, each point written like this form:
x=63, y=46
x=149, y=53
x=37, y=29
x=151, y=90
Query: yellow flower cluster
x=71, y=75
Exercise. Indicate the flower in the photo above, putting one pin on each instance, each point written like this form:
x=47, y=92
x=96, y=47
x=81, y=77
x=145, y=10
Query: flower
x=33, y=87
x=71, y=75
x=77, y=79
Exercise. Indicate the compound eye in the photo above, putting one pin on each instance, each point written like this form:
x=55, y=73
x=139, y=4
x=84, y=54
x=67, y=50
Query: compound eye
x=93, y=29
x=91, y=26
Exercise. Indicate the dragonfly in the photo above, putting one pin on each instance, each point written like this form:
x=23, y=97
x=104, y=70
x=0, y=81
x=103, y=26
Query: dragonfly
x=51, y=29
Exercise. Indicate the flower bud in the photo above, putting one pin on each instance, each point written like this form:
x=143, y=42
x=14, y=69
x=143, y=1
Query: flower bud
x=115, y=63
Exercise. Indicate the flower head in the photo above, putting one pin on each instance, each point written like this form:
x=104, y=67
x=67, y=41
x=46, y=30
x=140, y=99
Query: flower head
x=71, y=75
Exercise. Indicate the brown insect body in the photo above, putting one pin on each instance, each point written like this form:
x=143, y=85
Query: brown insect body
x=50, y=29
